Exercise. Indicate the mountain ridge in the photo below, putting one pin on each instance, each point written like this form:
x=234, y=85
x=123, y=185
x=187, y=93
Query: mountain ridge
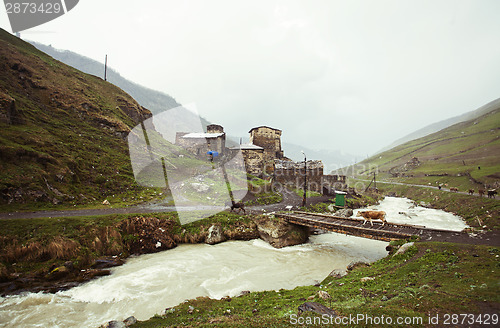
x=465, y=154
x=443, y=124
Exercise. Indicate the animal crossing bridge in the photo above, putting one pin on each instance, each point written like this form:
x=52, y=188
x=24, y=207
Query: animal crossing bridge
x=355, y=227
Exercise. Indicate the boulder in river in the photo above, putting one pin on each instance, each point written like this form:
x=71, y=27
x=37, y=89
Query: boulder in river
x=279, y=233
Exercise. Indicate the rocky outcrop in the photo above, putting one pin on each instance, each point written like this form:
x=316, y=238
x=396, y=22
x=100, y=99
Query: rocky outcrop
x=120, y=324
x=215, y=235
x=317, y=308
x=147, y=235
x=279, y=233
x=8, y=111
x=357, y=264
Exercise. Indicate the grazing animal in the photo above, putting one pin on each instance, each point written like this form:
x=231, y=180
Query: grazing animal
x=453, y=189
x=471, y=191
x=492, y=193
x=372, y=215
x=481, y=192
x=239, y=205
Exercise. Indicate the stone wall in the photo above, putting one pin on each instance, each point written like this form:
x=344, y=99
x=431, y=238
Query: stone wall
x=292, y=174
x=253, y=161
x=331, y=183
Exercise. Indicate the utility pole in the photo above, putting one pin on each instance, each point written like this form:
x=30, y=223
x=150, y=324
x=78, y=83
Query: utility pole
x=304, y=199
x=105, y=67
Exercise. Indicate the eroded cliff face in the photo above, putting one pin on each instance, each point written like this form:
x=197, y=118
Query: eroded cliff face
x=279, y=233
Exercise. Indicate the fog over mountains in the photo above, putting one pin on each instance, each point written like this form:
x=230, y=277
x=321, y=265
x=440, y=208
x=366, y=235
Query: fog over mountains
x=157, y=102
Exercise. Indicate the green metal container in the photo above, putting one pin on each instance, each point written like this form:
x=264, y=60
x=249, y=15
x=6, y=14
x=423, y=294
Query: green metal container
x=340, y=198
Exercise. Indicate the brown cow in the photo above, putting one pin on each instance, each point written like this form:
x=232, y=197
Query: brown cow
x=453, y=189
x=372, y=215
x=471, y=191
x=481, y=192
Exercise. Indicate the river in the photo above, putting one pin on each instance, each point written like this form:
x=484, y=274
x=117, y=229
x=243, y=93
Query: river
x=145, y=285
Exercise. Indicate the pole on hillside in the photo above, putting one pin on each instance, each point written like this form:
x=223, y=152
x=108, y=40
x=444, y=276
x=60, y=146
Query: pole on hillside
x=105, y=67
x=304, y=199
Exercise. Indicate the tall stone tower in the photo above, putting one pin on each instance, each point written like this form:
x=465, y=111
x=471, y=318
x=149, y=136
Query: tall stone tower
x=269, y=139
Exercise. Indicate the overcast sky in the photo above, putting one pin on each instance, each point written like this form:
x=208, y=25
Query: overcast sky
x=349, y=75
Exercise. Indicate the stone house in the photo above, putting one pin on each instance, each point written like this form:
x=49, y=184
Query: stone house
x=253, y=156
x=200, y=144
x=263, y=155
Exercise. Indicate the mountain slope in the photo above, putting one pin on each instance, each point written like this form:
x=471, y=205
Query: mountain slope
x=466, y=154
x=435, y=127
x=62, y=133
x=155, y=101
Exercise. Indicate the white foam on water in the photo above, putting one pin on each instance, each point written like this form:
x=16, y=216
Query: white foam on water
x=404, y=210
x=147, y=284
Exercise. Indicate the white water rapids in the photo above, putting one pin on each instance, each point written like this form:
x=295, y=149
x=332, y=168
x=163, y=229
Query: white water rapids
x=404, y=210
x=147, y=284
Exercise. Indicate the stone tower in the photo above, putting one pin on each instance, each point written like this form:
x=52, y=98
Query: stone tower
x=269, y=139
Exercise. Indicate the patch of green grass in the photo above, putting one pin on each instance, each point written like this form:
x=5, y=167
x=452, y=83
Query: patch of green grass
x=309, y=193
x=266, y=198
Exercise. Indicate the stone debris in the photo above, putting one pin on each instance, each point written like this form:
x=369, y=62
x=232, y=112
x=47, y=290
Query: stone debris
x=365, y=279
x=338, y=273
x=120, y=324
x=403, y=248
x=316, y=308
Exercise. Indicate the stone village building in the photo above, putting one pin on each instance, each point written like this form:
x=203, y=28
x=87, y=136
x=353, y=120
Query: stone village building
x=201, y=143
x=263, y=156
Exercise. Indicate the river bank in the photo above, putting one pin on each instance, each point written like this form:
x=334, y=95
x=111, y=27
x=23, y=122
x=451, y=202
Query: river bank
x=56, y=254
x=427, y=285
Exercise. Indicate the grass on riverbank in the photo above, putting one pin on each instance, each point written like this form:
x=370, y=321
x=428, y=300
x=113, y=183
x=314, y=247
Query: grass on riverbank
x=429, y=279
x=35, y=245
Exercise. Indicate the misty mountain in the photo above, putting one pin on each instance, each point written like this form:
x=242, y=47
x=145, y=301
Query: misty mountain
x=435, y=127
x=157, y=102
x=153, y=100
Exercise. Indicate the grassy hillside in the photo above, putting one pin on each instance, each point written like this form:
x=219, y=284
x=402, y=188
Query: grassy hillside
x=63, y=133
x=435, y=127
x=465, y=155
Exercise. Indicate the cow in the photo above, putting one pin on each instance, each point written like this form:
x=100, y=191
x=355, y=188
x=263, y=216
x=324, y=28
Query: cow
x=453, y=189
x=372, y=215
x=481, y=192
x=471, y=191
x=492, y=193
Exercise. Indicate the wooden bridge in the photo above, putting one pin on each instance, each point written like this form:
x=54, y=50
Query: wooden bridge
x=355, y=227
